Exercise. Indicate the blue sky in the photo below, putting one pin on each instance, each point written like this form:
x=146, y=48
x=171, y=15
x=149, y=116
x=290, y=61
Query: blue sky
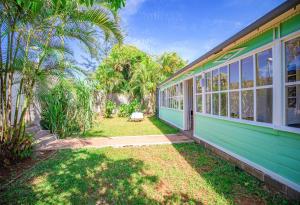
x=188, y=27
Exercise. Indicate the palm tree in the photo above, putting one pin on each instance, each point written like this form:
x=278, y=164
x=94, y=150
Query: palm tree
x=34, y=40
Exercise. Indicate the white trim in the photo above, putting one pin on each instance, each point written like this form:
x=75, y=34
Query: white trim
x=272, y=174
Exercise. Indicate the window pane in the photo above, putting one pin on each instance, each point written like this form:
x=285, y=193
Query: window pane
x=224, y=106
x=208, y=103
x=292, y=60
x=224, y=78
x=215, y=78
x=234, y=75
x=198, y=84
x=247, y=105
x=199, y=103
x=208, y=81
x=181, y=103
x=181, y=89
x=234, y=104
x=264, y=105
x=216, y=104
x=293, y=106
x=264, y=68
x=247, y=72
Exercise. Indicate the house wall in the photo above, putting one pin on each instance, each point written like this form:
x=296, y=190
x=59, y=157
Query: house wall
x=172, y=116
x=269, y=148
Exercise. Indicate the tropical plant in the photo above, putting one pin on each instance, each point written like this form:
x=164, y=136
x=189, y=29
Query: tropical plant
x=123, y=110
x=110, y=106
x=34, y=45
x=66, y=107
x=170, y=63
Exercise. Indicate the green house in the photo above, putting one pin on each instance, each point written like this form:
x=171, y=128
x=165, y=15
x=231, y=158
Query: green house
x=242, y=98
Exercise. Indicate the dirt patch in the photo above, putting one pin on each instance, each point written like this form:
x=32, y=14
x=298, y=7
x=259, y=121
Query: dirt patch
x=14, y=170
x=246, y=200
x=163, y=188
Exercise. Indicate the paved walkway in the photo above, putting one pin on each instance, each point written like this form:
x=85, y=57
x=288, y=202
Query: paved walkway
x=100, y=142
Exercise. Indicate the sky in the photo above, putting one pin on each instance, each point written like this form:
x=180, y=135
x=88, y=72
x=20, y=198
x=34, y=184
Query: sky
x=188, y=27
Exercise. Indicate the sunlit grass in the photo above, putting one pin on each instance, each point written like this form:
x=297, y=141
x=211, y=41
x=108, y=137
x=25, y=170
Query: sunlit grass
x=109, y=127
x=164, y=174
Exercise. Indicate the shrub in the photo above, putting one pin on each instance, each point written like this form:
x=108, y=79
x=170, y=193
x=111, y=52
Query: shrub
x=123, y=110
x=134, y=106
x=109, y=108
x=66, y=108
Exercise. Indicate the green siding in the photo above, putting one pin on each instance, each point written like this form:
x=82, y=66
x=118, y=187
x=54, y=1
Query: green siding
x=277, y=151
x=290, y=26
x=172, y=116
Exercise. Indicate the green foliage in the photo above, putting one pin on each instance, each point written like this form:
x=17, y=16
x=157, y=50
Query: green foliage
x=134, y=72
x=66, y=108
x=125, y=110
x=110, y=106
x=15, y=149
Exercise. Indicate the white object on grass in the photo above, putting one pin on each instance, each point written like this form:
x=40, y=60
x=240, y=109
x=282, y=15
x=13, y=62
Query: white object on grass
x=137, y=116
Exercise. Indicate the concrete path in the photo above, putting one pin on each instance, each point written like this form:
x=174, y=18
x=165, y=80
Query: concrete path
x=100, y=142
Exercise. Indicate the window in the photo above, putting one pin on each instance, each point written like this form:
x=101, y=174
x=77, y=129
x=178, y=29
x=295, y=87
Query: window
x=234, y=104
x=224, y=104
x=264, y=106
x=208, y=103
x=244, y=89
x=248, y=105
x=199, y=89
x=247, y=72
x=224, y=78
x=264, y=68
x=234, y=76
x=292, y=83
x=264, y=90
x=172, y=97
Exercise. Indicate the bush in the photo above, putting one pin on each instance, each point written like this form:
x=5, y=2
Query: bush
x=123, y=110
x=109, y=108
x=66, y=108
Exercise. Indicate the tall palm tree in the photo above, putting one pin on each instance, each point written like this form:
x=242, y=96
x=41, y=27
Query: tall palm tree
x=35, y=37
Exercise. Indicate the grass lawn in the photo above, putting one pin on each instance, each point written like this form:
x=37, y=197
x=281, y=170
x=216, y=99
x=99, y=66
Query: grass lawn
x=109, y=127
x=163, y=174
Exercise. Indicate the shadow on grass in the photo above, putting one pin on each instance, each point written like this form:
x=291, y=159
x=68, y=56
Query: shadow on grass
x=162, y=126
x=86, y=177
x=228, y=181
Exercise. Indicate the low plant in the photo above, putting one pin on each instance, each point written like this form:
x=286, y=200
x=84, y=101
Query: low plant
x=109, y=108
x=134, y=106
x=123, y=110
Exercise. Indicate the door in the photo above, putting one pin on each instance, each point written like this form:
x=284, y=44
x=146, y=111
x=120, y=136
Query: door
x=188, y=104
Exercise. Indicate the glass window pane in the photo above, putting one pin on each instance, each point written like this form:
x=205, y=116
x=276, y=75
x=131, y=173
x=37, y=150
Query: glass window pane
x=264, y=105
x=224, y=104
x=208, y=103
x=224, y=78
x=181, y=88
x=247, y=105
x=216, y=104
x=181, y=103
x=292, y=60
x=247, y=72
x=215, y=80
x=293, y=106
x=234, y=75
x=264, y=71
x=199, y=103
x=234, y=104
x=208, y=81
x=198, y=84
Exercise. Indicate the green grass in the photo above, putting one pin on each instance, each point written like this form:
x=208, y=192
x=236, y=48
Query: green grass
x=163, y=174
x=109, y=127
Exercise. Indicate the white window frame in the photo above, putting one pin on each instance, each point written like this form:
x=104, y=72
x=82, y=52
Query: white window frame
x=284, y=83
x=240, y=89
x=178, y=98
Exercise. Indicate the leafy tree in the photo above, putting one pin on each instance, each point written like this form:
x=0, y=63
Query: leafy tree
x=170, y=62
x=34, y=45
